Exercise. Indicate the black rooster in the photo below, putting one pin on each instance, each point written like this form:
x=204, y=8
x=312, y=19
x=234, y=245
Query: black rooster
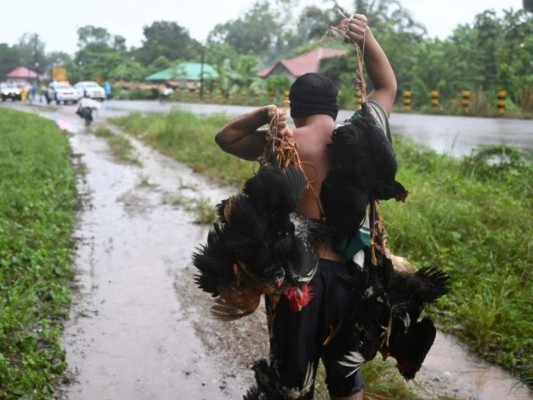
x=363, y=169
x=268, y=385
x=409, y=339
x=387, y=311
x=260, y=246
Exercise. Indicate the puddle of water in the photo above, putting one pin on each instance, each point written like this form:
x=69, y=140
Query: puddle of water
x=452, y=369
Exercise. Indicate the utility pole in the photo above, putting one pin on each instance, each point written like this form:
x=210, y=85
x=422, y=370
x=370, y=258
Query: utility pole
x=202, y=74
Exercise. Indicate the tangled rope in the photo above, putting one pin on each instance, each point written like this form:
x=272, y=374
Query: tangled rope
x=342, y=29
x=280, y=145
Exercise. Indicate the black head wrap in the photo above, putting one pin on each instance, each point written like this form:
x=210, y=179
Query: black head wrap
x=313, y=94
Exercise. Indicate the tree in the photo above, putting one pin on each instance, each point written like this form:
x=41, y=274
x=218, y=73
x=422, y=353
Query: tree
x=216, y=53
x=168, y=39
x=93, y=34
x=256, y=32
x=128, y=71
x=99, y=53
x=58, y=58
x=9, y=59
x=159, y=64
x=528, y=5
x=239, y=73
x=513, y=58
x=31, y=51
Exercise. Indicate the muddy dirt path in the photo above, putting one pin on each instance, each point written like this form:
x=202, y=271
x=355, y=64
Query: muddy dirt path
x=139, y=328
x=132, y=334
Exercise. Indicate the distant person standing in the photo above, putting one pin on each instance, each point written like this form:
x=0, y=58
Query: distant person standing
x=107, y=88
x=33, y=93
x=42, y=90
x=24, y=92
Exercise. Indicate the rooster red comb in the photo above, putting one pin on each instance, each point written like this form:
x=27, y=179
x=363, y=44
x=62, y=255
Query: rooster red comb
x=298, y=297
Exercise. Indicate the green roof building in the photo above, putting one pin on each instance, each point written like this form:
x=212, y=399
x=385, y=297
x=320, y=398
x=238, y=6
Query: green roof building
x=184, y=74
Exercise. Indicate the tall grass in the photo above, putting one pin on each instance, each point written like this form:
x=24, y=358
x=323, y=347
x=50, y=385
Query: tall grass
x=472, y=217
x=190, y=139
x=37, y=207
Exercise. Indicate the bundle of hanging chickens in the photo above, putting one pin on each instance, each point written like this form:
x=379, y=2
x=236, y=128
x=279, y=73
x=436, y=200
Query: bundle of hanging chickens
x=390, y=292
x=258, y=245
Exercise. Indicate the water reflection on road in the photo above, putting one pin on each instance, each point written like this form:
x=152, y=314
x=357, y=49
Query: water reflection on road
x=451, y=369
x=457, y=136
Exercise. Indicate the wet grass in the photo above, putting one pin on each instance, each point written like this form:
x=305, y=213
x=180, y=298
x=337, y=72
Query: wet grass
x=102, y=131
x=122, y=150
x=471, y=216
x=202, y=208
x=37, y=207
x=190, y=139
x=120, y=147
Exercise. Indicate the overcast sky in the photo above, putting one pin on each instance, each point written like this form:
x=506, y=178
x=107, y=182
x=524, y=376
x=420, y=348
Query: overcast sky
x=57, y=21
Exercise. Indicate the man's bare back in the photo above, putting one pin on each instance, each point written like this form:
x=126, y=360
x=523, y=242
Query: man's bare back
x=311, y=137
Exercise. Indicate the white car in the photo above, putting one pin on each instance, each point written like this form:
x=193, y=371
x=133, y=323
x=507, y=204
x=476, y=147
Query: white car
x=10, y=91
x=61, y=92
x=90, y=89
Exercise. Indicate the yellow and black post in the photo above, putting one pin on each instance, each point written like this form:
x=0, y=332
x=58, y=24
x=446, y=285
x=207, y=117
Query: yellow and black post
x=407, y=99
x=465, y=96
x=358, y=99
x=435, y=98
x=502, y=94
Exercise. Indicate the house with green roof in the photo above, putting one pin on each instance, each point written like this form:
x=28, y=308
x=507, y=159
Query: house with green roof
x=184, y=75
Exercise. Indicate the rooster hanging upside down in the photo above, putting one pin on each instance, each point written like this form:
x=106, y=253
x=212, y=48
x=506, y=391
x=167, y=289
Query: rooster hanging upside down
x=260, y=246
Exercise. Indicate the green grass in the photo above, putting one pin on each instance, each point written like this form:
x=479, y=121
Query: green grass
x=120, y=146
x=468, y=216
x=475, y=220
x=37, y=207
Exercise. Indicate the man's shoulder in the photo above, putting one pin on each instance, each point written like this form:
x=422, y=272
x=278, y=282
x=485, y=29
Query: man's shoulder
x=378, y=113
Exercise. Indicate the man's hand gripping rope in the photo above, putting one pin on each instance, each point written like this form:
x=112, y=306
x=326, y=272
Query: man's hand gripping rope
x=280, y=140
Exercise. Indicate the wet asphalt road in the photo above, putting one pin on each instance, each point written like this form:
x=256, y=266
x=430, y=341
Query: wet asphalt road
x=452, y=135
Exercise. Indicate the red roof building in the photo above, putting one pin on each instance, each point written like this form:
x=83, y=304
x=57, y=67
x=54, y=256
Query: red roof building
x=22, y=73
x=297, y=66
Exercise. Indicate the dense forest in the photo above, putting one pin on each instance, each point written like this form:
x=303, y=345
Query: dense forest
x=491, y=53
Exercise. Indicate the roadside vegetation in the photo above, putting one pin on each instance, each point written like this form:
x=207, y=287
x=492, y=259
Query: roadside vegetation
x=471, y=216
x=37, y=213
x=483, y=56
x=120, y=146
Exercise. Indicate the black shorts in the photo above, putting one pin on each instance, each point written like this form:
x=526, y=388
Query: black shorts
x=297, y=338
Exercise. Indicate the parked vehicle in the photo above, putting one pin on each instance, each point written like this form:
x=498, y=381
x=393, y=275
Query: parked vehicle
x=10, y=91
x=61, y=92
x=91, y=90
